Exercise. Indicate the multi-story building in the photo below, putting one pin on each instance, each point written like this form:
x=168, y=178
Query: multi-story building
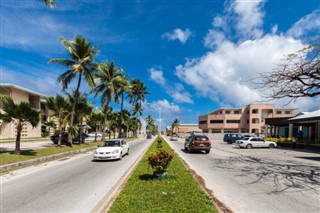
x=250, y=119
x=18, y=95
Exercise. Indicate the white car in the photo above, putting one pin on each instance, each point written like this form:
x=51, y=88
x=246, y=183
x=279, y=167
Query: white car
x=174, y=138
x=93, y=134
x=253, y=142
x=111, y=149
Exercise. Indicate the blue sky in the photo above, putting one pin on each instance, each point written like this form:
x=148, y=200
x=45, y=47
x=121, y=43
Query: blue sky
x=194, y=56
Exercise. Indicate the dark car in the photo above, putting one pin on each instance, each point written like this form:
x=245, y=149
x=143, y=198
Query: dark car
x=232, y=137
x=149, y=136
x=197, y=143
x=64, y=138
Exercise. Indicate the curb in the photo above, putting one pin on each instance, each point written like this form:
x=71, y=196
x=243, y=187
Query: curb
x=46, y=158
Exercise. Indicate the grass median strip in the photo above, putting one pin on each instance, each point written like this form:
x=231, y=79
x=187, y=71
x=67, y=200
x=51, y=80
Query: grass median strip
x=178, y=192
x=7, y=158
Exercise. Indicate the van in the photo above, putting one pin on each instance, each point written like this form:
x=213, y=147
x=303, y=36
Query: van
x=232, y=137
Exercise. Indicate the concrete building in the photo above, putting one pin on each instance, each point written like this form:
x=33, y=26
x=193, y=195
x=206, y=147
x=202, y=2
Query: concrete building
x=18, y=95
x=250, y=119
x=185, y=129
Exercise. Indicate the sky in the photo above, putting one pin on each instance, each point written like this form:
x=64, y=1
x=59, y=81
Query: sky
x=193, y=56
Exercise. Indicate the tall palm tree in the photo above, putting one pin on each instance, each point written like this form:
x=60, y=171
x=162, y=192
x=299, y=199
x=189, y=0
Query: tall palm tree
x=83, y=110
x=96, y=119
x=108, y=78
x=123, y=87
x=138, y=91
x=175, y=125
x=80, y=64
x=123, y=121
x=20, y=114
x=60, y=107
x=137, y=110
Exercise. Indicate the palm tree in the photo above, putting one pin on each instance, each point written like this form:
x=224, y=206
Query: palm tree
x=50, y=124
x=50, y=3
x=123, y=121
x=123, y=87
x=138, y=91
x=60, y=107
x=83, y=110
x=137, y=110
x=20, y=114
x=175, y=125
x=80, y=64
x=108, y=78
x=95, y=120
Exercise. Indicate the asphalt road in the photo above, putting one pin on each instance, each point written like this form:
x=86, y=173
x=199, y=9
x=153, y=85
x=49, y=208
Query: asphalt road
x=72, y=184
x=258, y=180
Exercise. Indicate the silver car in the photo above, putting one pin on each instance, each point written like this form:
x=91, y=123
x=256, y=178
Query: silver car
x=254, y=142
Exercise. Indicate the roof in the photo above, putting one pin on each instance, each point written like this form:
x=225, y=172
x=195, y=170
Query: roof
x=21, y=88
x=306, y=116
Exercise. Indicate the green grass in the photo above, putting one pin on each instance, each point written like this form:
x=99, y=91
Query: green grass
x=179, y=192
x=7, y=158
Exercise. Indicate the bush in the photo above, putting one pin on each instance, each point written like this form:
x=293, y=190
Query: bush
x=159, y=160
x=159, y=142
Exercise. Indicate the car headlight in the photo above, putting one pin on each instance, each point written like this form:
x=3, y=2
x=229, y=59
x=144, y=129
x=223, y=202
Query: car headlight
x=115, y=152
x=95, y=152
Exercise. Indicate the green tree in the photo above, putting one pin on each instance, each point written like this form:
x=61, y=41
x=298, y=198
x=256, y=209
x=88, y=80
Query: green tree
x=60, y=106
x=80, y=64
x=83, y=110
x=50, y=3
x=108, y=78
x=138, y=91
x=175, y=125
x=20, y=114
x=95, y=120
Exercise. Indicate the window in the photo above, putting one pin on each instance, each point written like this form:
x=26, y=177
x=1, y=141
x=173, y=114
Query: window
x=236, y=112
x=203, y=122
x=233, y=121
x=255, y=111
x=227, y=111
x=287, y=112
x=216, y=121
x=279, y=112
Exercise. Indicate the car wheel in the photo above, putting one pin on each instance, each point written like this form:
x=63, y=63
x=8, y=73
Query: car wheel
x=207, y=151
x=271, y=146
x=249, y=146
x=229, y=142
x=185, y=148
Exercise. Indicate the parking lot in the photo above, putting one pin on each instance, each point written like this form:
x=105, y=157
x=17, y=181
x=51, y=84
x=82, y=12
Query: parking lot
x=258, y=180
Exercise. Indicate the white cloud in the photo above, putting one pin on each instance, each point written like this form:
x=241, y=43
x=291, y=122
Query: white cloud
x=222, y=74
x=308, y=23
x=249, y=17
x=157, y=76
x=176, y=90
x=178, y=34
x=214, y=38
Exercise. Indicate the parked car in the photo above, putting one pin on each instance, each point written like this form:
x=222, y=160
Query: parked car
x=93, y=134
x=254, y=142
x=64, y=138
x=174, y=138
x=197, y=143
x=149, y=136
x=111, y=149
x=232, y=137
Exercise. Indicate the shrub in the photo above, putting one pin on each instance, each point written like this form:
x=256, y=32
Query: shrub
x=159, y=142
x=159, y=160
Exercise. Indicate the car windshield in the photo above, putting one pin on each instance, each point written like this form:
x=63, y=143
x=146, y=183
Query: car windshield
x=201, y=138
x=245, y=139
x=111, y=143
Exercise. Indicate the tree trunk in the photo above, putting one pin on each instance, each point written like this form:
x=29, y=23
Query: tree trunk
x=81, y=130
x=19, y=130
x=60, y=130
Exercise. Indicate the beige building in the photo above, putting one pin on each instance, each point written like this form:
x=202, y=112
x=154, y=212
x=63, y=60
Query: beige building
x=184, y=128
x=250, y=119
x=18, y=95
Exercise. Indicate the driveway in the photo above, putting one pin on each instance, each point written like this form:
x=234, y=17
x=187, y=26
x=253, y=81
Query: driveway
x=258, y=180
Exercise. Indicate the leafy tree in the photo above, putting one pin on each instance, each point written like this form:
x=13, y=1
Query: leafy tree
x=297, y=76
x=175, y=125
x=138, y=91
x=108, y=78
x=123, y=87
x=20, y=114
x=95, y=120
x=80, y=64
x=60, y=107
x=83, y=110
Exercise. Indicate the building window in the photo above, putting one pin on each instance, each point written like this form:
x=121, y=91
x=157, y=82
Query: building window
x=279, y=112
x=255, y=120
x=287, y=112
x=216, y=121
x=255, y=111
x=247, y=121
x=205, y=131
x=237, y=112
x=203, y=122
x=221, y=112
x=233, y=121
x=227, y=111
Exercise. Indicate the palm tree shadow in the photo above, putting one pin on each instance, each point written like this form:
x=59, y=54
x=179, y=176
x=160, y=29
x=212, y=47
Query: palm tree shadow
x=27, y=152
x=146, y=177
